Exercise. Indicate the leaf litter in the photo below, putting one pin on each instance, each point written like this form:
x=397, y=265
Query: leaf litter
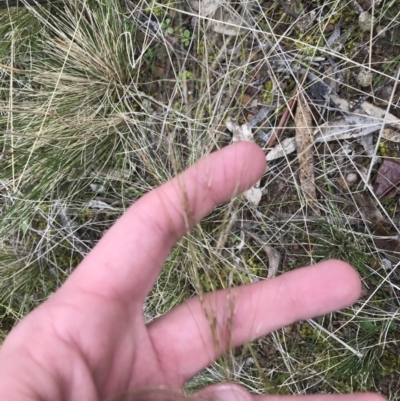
x=355, y=122
x=347, y=127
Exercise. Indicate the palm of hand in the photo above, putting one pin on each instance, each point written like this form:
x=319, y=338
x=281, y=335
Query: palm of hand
x=89, y=341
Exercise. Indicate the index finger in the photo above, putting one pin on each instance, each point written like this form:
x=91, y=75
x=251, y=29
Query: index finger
x=128, y=259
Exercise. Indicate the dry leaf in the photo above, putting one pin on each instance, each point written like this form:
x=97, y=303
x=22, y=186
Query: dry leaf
x=346, y=127
x=227, y=23
x=387, y=181
x=246, y=100
x=254, y=194
x=353, y=126
x=367, y=142
x=331, y=80
x=286, y=147
x=385, y=94
x=368, y=210
x=98, y=204
x=205, y=7
x=305, y=140
x=223, y=20
x=367, y=108
x=239, y=132
x=385, y=239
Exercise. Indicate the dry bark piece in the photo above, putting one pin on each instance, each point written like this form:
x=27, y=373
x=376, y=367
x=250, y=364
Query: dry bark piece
x=305, y=139
x=387, y=181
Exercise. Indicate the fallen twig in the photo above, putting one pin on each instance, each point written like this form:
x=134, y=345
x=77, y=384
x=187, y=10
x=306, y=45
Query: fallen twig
x=283, y=121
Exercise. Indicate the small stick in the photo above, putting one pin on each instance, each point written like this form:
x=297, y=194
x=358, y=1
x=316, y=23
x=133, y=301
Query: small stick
x=282, y=122
x=290, y=109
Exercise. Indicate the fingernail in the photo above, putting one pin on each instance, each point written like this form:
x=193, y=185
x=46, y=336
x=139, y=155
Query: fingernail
x=229, y=392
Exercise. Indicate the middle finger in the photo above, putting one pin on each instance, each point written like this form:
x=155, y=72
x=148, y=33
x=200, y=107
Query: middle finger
x=194, y=334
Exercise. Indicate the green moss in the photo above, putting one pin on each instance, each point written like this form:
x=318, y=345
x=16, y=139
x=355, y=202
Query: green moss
x=390, y=205
x=186, y=74
x=177, y=105
x=383, y=149
x=223, y=275
x=307, y=332
x=390, y=363
x=388, y=149
x=201, y=47
x=158, y=8
x=268, y=96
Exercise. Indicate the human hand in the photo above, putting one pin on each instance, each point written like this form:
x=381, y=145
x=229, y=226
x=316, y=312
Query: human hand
x=89, y=341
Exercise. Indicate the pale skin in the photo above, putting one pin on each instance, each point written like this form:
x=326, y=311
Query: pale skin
x=89, y=341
